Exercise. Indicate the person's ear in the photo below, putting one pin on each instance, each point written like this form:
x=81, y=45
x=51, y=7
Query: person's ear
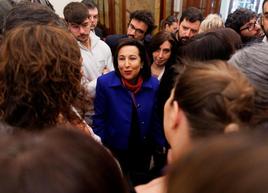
x=232, y=127
x=176, y=114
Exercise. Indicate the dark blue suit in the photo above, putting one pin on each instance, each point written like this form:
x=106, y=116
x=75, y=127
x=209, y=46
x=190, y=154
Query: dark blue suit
x=113, y=112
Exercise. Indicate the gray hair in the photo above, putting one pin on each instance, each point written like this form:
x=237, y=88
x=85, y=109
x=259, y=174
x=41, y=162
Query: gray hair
x=211, y=22
x=253, y=62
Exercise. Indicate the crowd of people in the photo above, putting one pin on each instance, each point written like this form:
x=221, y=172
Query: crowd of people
x=183, y=109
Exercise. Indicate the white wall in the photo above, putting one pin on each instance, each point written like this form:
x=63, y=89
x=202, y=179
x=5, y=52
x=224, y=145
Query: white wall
x=59, y=5
x=178, y=7
x=260, y=7
x=225, y=6
x=224, y=9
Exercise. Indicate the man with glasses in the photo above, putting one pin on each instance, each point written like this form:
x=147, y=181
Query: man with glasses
x=96, y=54
x=244, y=22
x=264, y=20
x=140, y=26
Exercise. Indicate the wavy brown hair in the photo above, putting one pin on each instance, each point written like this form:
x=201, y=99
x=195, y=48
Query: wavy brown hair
x=40, y=77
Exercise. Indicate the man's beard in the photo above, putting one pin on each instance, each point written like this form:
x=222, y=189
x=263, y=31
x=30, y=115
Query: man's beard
x=184, y=39
x=92, y=27
x=83, y=37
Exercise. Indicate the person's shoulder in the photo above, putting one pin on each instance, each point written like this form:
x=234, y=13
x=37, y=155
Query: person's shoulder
x=108, y=77
x=111, y=79
x=104, y=45
x=114, y=38
x=148, y=39
x=153, y=80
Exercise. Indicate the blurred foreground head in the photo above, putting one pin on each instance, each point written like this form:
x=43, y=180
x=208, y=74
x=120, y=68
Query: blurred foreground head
x=27, y=12
x=58, y=161
x=225, y=164
x=40, y=76
x=209, y=98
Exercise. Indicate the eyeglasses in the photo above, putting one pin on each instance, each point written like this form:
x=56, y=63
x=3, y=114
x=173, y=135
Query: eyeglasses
x=138, y=31
x=249, y=26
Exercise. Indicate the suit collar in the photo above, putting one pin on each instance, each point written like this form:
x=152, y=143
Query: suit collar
x=116, y=82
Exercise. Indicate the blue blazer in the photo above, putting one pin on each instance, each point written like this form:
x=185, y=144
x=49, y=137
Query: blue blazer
x=113, y=112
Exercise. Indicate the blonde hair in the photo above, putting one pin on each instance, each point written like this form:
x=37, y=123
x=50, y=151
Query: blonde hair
x=211, y=22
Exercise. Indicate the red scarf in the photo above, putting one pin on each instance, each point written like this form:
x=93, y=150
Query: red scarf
x=133, y=87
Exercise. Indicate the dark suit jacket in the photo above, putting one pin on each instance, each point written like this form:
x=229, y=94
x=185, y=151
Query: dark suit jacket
x=113, y=112
x=113, y=40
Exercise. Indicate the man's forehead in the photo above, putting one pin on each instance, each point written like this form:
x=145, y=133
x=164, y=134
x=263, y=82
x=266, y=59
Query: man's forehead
x=84, y=22
x=194, y=25
x=139, y=23
x=93, y=11
x=265, y=7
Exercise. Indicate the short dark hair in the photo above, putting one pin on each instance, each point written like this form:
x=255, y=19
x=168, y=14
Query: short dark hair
x=146, y=70
x=31, y=13
x=75, y=12
x=215, y=43
x=231, y=37
x=192, y=14
x=90, y=4
x=144, y=16
x=239, y=18
x=59, y=160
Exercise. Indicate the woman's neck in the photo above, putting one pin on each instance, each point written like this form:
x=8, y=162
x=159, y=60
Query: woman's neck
x=133, y=81
x=156, y=70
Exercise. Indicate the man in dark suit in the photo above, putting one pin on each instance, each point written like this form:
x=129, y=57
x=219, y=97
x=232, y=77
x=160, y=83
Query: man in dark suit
x=140, y=26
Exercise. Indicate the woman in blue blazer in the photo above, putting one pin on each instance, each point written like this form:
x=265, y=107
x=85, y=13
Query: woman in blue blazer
x=124, y=110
